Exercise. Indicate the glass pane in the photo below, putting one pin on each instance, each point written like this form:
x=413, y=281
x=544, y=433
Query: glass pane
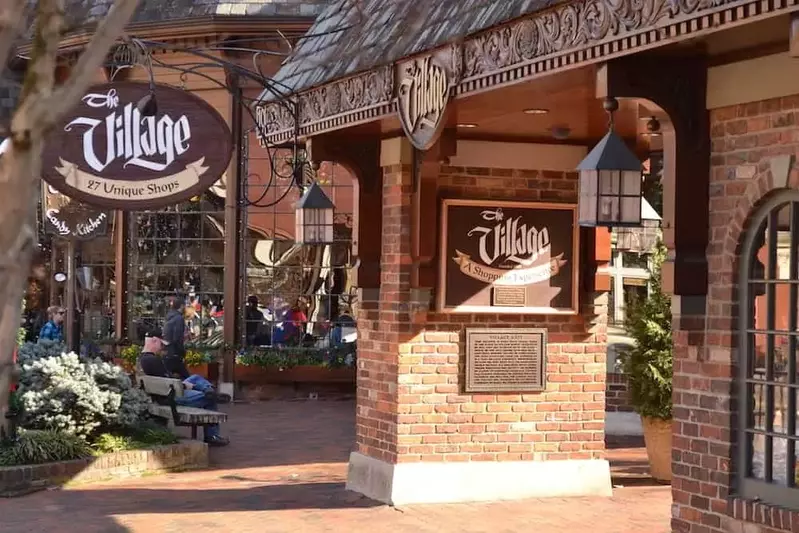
x=779, y=461
x=609, y=208
x=779, y=417
x=759, y=457
x=757, y=357
x=757, y=406
x=632, y=183
x=609, y=182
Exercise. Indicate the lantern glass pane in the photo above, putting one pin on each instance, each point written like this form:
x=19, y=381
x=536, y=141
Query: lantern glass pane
x=609, y=181
x=631, y=183
x=328, y=217
x=631, y=210
x=328, y=233
x=588, y=197
x=608, y=209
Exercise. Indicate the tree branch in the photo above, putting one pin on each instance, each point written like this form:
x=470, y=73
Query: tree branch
x=91, y=60
x=11, y=17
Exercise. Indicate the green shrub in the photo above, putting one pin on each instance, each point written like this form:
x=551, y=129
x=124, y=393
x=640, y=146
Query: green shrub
x=135, y=439
x=36, y=447
x=648, y=365
x=66, y=394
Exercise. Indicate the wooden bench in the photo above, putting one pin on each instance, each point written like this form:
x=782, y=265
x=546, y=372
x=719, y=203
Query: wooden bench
x=164, y=391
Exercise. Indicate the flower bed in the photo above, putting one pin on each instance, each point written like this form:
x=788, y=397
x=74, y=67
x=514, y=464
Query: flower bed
x=18, y=480
x=262, y=366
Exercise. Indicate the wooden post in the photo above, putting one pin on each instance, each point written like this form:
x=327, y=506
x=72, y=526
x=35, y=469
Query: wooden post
x=233, y=237
x=121, y=235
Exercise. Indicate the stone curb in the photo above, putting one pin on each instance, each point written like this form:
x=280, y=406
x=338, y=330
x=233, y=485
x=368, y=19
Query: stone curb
x=20, y=480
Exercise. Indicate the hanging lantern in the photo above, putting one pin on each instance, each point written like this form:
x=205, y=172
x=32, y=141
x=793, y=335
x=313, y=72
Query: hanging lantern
x=610, y=181
x=314, y=217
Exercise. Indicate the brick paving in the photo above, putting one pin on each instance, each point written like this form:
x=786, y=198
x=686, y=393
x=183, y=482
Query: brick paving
x=285, y=471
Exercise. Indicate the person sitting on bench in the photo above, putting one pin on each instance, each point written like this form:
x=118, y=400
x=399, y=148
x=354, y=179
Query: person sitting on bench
x=199, y=392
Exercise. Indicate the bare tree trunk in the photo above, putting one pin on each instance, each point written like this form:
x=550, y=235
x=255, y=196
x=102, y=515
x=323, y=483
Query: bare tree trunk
x=41, y=106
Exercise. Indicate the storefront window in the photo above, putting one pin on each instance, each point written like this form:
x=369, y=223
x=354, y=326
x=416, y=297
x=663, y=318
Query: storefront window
x=635, y=260
x=767, y=384
x=284, y=280
x=178, y=250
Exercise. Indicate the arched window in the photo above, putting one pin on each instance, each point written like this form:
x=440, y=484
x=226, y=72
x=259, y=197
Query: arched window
x=769, y=337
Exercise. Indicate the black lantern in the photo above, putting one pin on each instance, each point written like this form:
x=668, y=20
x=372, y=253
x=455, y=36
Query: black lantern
x=610, y=181
x=314, y=217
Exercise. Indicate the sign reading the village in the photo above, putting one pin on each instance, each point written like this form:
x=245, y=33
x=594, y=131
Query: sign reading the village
x=107, y=154
x=505, y=360
x=69, y=219
x=508, y=257
x=423, y=89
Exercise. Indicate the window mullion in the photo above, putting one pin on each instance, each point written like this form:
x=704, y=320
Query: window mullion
x=792, y=326
x=771, y=273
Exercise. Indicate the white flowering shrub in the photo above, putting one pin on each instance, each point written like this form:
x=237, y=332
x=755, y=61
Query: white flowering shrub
x=63, y=393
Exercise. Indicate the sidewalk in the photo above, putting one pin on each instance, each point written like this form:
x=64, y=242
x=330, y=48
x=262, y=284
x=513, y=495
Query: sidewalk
x=285, y=471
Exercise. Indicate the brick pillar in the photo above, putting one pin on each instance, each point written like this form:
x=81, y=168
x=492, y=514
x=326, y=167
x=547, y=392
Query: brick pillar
x=419, y=437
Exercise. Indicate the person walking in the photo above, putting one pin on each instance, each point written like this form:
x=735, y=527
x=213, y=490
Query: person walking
x=174, y=338
x=53, y=329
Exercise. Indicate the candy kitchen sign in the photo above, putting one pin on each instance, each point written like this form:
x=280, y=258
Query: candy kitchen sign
x=70, y=219
x=107, y=154
x=508, y=257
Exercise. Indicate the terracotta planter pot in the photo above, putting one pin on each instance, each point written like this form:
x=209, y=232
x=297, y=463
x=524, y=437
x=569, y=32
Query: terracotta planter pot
x=657, y=435
x=124, y=364
x=200, y=370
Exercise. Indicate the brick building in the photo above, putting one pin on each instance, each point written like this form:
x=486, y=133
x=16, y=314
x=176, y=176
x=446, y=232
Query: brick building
x=716, y=77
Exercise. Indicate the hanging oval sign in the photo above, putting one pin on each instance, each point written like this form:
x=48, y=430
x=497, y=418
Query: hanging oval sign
x=106, y=153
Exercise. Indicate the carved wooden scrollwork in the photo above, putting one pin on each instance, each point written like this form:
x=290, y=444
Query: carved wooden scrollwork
x=571, y=26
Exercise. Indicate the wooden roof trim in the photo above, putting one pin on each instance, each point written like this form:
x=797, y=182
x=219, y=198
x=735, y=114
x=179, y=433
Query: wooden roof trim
x=591, y=31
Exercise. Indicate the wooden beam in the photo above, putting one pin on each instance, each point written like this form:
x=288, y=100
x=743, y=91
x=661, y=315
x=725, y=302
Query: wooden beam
x=686, y=150
x=793, y=36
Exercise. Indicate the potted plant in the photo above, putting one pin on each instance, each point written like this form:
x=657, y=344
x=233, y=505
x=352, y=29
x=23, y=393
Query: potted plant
x=648, y=367
x=128, y=356
x=294, y=364
x=197, y=362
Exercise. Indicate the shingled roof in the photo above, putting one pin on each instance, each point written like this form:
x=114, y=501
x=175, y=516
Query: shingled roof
x=88, y=12
x=352, y=36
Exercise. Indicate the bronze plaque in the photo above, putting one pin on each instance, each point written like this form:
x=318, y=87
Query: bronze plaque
x=506, y=360
x=508, y=257
x=510, y=297
x=106, y=153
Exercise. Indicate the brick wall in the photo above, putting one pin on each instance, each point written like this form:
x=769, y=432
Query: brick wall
x=744, y=137
x=617, y=395
x=434, y=420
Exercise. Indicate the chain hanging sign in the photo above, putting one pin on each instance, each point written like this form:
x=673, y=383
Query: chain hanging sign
x=106, y=153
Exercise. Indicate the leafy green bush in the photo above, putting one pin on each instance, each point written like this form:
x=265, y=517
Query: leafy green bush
x=343, y=355
x=137, y=438
x=66, y=394
x=36, y=447
x=648, y=365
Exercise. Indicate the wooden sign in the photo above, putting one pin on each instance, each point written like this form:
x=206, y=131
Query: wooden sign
x=423, y=90
x=106, y=154
x=508, y=257
x=505, y=360
x=69, y=219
